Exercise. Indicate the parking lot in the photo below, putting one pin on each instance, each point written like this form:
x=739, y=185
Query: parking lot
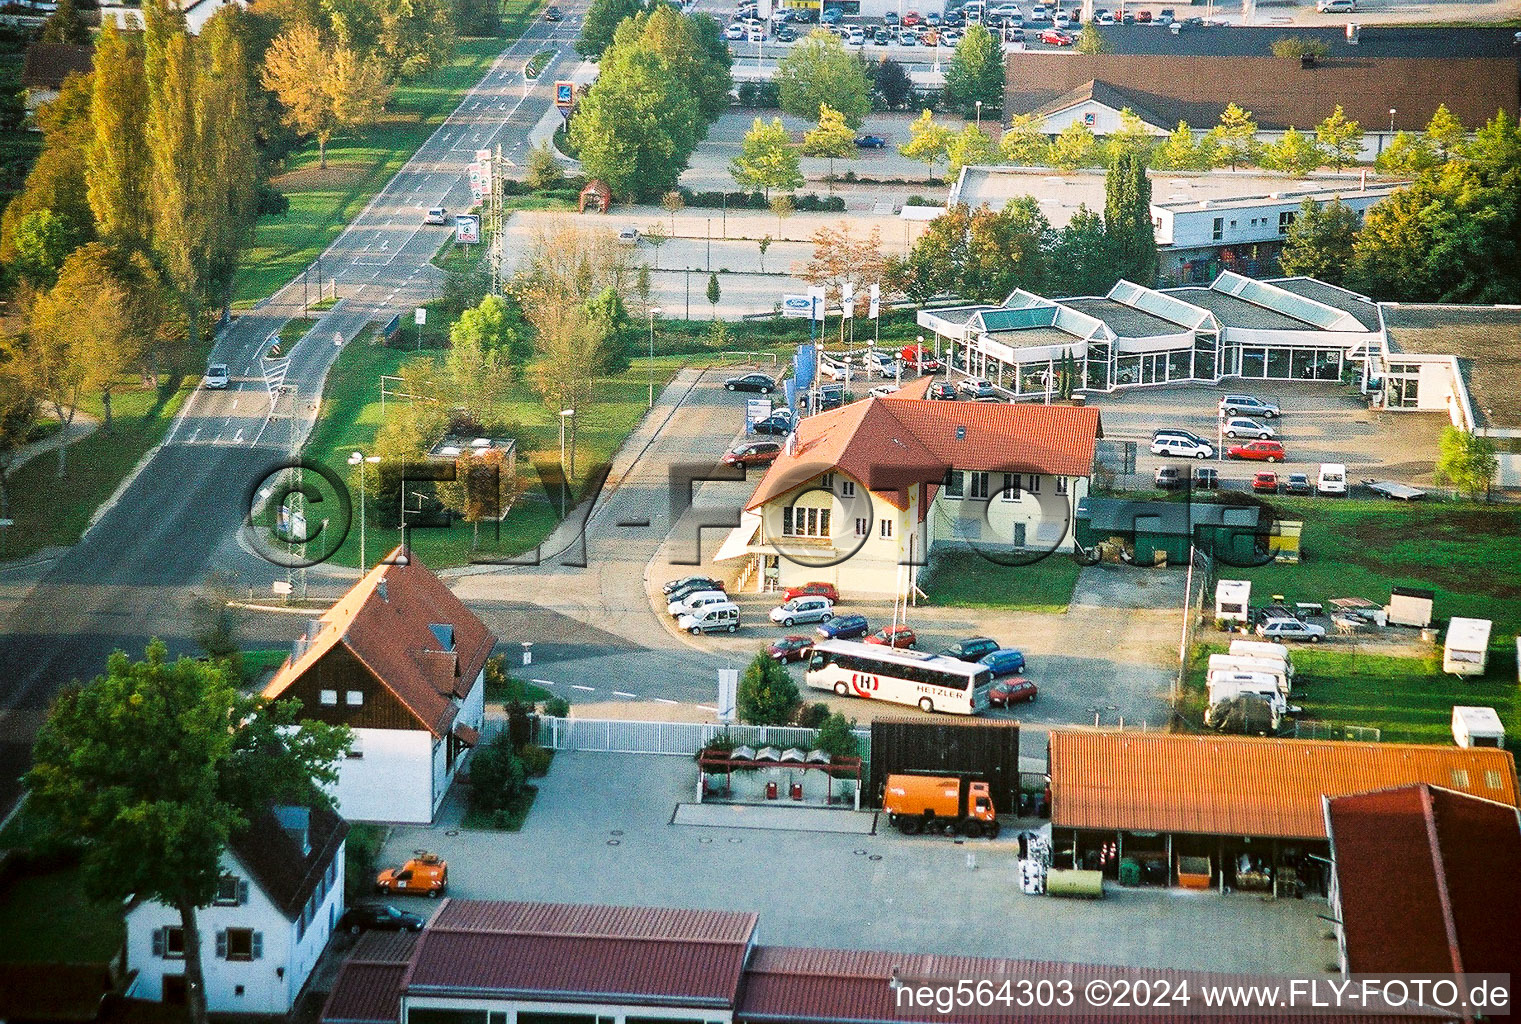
x=600, y=832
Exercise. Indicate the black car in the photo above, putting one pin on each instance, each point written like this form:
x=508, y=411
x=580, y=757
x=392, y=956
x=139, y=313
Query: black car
x=552, y=14
x=1298, y=483
x=973, y=648
x=790, y=648
x=943, y=390
x=751, y=382
x=697, y=586
x=710, y=583
x=778, y=424
x=378, y=917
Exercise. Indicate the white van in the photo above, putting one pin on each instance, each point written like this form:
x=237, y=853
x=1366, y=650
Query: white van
x=711, y=618
x=1225, y=685
x=1254, y=666
x=1332, y=479
x=695, y=602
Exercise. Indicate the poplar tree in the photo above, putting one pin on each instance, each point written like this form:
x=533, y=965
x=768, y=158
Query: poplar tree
x=1127, y=218
x=117, y=169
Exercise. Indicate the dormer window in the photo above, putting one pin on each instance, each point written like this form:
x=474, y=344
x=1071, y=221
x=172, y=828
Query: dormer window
x=444, y=634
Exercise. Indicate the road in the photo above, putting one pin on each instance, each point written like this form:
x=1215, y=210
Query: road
x=132, y=575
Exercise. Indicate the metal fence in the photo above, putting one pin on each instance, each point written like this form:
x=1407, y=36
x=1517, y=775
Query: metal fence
x=1309, y=729
x=622, y=736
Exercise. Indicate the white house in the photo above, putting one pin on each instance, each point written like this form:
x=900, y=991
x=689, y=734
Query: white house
x=865, y=491
x=401, y=662
x=278, y=900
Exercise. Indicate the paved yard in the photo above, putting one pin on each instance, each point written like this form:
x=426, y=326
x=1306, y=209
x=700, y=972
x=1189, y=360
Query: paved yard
x=601, y=832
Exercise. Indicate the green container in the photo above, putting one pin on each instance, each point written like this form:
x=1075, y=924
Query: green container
x=1130, y=871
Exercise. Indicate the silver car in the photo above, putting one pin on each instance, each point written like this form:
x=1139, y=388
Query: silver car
x=1242, y=427
x=804, y=609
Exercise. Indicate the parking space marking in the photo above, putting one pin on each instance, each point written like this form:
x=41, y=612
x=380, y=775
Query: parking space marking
x=620, y=693
x=587, y=689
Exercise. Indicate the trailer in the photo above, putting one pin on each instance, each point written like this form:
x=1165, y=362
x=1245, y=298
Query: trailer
x=1233, y=600
x=1410, y=606
x=1466, y=652
x=1394, y=490
x=1477, y=727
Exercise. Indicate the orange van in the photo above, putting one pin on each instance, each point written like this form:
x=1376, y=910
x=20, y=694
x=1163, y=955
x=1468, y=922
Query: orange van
x=424, y=875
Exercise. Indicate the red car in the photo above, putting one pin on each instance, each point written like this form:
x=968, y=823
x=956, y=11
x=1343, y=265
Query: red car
x=790, y=648
x=1054, y=37
x=1260, y=451
x=1265, y=483
x=919, y=358
x=893, y=636
x=1007, y=692
x=1142, y=17
x=753, y=453
x=911, y=19
x=813, y=590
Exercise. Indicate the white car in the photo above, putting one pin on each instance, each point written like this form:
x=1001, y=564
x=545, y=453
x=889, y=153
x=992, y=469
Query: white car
x=833, y=369
x=1005, y=11
x=216, y=377
x=1181, y=447
x=694, y=602
x=436, y=215
x=1336, y=6
x=735, y=33
x=1241, y=427
x=882, y=390
x=1039, y=13
x=1104, y=19
x=1291, y=629
x=1062, y=20
x=882, y=362
x=629, y=236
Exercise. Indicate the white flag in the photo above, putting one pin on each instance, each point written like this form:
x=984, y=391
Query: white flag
x=816, y=302
x=848, y=299
x=875, y=303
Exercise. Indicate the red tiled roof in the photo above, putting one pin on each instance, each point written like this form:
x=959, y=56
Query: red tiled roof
x=367, y=989
x=389, y=633
x=1245, y=786
x=581, y=952
x=1430, y=881
x=832, y=986
x=891, y=443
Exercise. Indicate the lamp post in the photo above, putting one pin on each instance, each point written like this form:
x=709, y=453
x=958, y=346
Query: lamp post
x=565, y=414
x=979, y=115
x=1392, y=112
x=360, y=459
x=710, y=245
x=654, y=310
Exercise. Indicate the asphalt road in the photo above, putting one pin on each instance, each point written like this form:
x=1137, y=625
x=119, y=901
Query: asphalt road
x=133, y=575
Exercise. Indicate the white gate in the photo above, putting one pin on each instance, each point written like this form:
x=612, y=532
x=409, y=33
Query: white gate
x=623, y=736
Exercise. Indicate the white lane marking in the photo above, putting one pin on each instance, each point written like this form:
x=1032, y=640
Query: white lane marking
x=544, y=682
x=666, y=700
x=707, y=707
x=620, y=693
x=239, y=438
x=195, y=434
x=587, y=689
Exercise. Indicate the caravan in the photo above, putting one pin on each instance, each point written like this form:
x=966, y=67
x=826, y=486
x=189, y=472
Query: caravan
x=1233, y=664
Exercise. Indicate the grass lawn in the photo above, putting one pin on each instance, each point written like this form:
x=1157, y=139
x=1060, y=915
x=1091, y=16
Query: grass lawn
x=351, y=416
x=324, y=200
x=44, y=916
x=50, y=511
x=1470, y=555
x=965, y=579
x=1409, y=699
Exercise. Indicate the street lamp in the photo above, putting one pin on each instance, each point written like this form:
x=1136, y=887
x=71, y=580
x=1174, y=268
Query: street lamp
x=360, y=459
x=565, y=414
x=1392, y=112
x=654, y=311
x=979, y=115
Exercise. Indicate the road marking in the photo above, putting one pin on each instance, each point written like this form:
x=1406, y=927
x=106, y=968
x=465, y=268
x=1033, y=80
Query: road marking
x=620, y=693
x=235, y=402
x=196, y=434
x=707, y=707
x=239, y=438
x=666, y=700
x=587, y=689
x=544, y=682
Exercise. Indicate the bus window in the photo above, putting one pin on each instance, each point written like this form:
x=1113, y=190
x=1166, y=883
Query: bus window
x=818, y=661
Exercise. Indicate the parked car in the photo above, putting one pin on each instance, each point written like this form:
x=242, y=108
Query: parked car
x=1265, y=483
x=1242, y=427
x=424, y=875
x=378, y=917
x=693, y=601
x=1336, y=6
x=912, y=18
x=1332, y=479
x=786, y=34
x=753, y=453
x=1007, y=692
x=1259, y=451
x=436, y=215
x=1142, y=17
x=908, y=37
x=1006, y=661
x=1103, y=18
x=751, y=382
x=710, y=618
x=1298, y=483
x=696, y=585
x=831, y=16
x=893, y=636
x=976, y=387
x=688, y=581
x=216, y=377
x=735, y=33
x=629, y=236
x=843, y=627
x=883, y=390
x=552, y=13
x=778, y=424
x=932, y=19
x=1179, y=432
x=1039, y=13
x=1246, y=405
x=870, y=141
x=809, y=608
x=854, y=36
x=790, y=648
x=825, y=590
x=942, y=390
x=1206, y=479
x=890, y=18
x=1056, y=37
x=1168, y=478
x=1182, y=447
x=831, y=396
x=1290, y=629
x=880, y=38
x=1061, y=20
x=970, y=649
x=881, y=362
x=917, y=357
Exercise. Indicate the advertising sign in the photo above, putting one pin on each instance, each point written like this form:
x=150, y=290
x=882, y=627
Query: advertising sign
x=467, y=229
x=817, y=300
x=796, y=306
x=848, y=300
x=480, y=179
x=565, y=94
x=875, y=304
x=757, y=409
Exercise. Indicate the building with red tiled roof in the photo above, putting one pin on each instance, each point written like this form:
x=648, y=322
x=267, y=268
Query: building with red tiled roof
x=1425, y=880
x=862, y=493
x=400, y=661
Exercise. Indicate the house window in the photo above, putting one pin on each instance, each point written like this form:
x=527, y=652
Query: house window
x=1233, y=225
x=847, y=488
x=862, y=526
x=886, y=530
x=805, y=522
x=1034, y=487
x=1460, y=778
x=232, y=891
x=169, y=943
x=1010, y=490
x=1492, y=778
x=353, y=698
x=1284, y=220
x=328, y=698
x=1061, y=485
x=827, y=481
x=954, y=484
x=979, y=484
x=240, y=944
x=1217, y=230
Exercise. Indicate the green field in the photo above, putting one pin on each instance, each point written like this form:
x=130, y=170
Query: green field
x=964, y=579
x=324, y=200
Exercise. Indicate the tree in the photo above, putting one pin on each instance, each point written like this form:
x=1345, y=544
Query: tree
x=323, y=88
x=1295, y=153
x=1090, y=39
x=1085, y=255
x=836, y=737
x=1406, y=153
x=655, y=236
x=1300, y=48
x=782, y=207
x=968, y=148
x=1127, y=219
x=1445, y=133
x=927, y=141
x=1025, y=141
x=229, y=171
x=714, y=292
x=43, y=240
x=57, y=179
x=155, y=766
x=766, y=694
x=18, y=410
x=479, y=491
x=840, y=258
x=1234, y=138
x=1180, y=152
x=497, y=329
x=1319, y=241
x=692, y=48
x=1340, y=138
x=831, y=138
x=1131, y=137
x=544, y=171
x=416, y=36
x=1466, y=460
x=1075, y=147
x=118, y=169
x=673, y=202
x=818, y=70
x=976, y=72
x=763, y=243
x=613, y=329
x=637, y=125
x=1006, y=250
x=934, y=263
x=890, y=82
x=66, y=25
x=471, y=378
x=602, y=19
x=767, y=159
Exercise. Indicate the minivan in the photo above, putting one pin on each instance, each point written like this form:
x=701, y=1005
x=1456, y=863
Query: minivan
x=1181, y=447
x=804, y=609
x=1005, y=661
x=1332, y=479
x=1246, y=405
x=711, y=618
x=693, y=602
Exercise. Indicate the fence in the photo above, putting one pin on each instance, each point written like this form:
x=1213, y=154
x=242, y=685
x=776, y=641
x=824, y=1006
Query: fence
x=1308, y=729
x=622, y=736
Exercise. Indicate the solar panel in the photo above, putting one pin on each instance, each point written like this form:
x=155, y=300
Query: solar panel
x=1259, y=293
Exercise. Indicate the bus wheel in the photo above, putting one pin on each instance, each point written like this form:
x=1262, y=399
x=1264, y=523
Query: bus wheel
x=993, y=828
x=925, y=704
x=841, y=689
x=971, y=828
x=910, y=825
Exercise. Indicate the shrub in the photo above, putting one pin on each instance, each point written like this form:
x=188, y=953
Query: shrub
x=723, y=743
x=535, y=760
x=767, y=695
x=557, y=707
x=496, y=775
x=361, y=851
x=811, y=716
x=835, y=737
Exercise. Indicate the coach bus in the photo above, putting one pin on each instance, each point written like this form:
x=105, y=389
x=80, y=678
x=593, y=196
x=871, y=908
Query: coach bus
x=931, y=682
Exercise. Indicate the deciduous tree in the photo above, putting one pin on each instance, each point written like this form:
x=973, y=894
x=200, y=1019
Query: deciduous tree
x=1319, y=241
x=839, y=257
x=637, y=125
x=117, y=174
x=1127, y=218
x=830, y=138
x=927, y=141
x=1075, y=147
x=496, y=327
x=1467, y=460
x=66, y=25
x=1006, y=250
x=1084, y=255
x=893, y=88
x=323, y=88
x=1340, y=138
x=818, y=70
x=967, y=148
x=1180, y=152
x=975, y=72
x=1406, y=153
x=1025, y=141
x=1131, y=136
x=1295, y=153
x=43, y=240
x=1234, y=138
x=767, y=160
x=602, y=19
x=782, y=207
x=1445, y=133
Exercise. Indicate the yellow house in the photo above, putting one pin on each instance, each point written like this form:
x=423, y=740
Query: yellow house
x=862, y=493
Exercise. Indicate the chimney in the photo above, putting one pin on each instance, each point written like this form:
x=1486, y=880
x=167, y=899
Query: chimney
x=380, y=588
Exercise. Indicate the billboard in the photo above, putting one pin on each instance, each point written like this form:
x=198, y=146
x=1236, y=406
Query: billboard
x=467, y=229
x=848, y=300
x=796, y=306
x=480, y=178
x=565, y=94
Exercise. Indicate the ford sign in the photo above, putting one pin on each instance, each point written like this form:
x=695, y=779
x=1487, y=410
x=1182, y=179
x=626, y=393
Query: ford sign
x=796, y=306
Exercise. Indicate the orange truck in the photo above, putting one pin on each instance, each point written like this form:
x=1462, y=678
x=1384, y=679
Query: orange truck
x=424, y=875
x=918, y=803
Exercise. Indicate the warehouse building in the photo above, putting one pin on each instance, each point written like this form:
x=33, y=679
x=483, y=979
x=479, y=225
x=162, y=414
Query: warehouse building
x=1232, y=812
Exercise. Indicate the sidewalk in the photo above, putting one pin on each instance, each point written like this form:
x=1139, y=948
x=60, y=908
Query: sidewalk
x=82, y=426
